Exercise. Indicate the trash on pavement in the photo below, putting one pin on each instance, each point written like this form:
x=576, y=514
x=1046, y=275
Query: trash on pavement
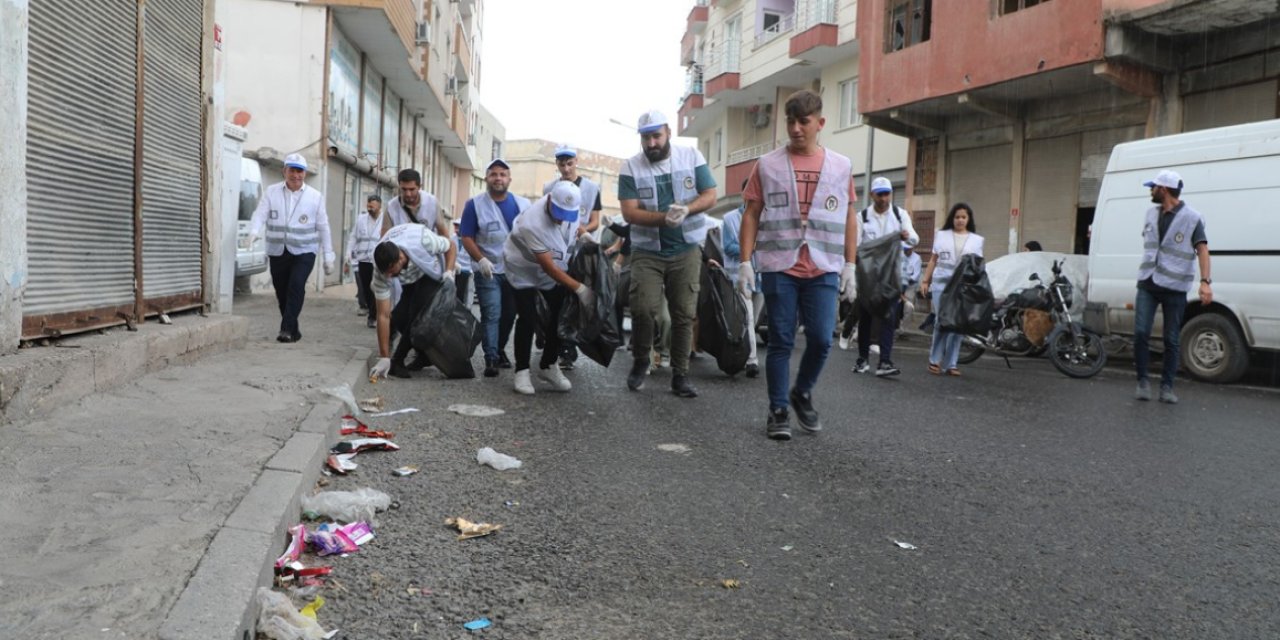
x=278, y=620
x=468, y=529
x=904, y=545
x=306, y=576
x=358, y=532
x=344, y=394
x=341, y=463
x=348, y=506
x=675, y=448
x=297, y=540
x=511, y=504
x=365, y=444
x=405, y=471
x=477, y=624
x=730, y=583
x=331, y=540
x=475, y=410
x=350, y=425
x=397, y=412
x=375, y=403
x=313, y=606
x=499, y=461
x=787, y=548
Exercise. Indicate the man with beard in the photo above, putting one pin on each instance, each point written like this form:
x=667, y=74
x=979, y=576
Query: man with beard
x=487, y=220
x=415, y=206
x=409, y=254
x=664, y=192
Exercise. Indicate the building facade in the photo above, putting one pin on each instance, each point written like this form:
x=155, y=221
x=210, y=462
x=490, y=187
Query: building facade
x=744, y=57
x=533, y=164
x=1014, y=105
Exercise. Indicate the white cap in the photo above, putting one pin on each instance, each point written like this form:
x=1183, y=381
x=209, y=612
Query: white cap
x=566, y=201
x=881, y=185
x=296, y=161
x=566, y=150
x=1165, y=178
x=651, y=121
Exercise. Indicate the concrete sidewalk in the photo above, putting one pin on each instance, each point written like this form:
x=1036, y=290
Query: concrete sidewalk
x=149, y=475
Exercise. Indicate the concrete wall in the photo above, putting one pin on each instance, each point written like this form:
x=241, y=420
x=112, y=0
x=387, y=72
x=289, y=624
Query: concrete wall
x=888, y=151
x=13, y=170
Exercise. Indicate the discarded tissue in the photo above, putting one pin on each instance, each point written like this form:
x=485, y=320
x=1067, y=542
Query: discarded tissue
x=475, y=410
x=468, y=529
x=348, y=506
x=499, y=461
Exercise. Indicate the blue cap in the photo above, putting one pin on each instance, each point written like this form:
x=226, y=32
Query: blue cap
x=295, y=161
x=566, y=201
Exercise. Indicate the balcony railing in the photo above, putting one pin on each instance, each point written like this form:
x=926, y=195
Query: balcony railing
x=811, y=13
x=693, y=81
x=752, y=152
x=784, y=25
x=722, y=60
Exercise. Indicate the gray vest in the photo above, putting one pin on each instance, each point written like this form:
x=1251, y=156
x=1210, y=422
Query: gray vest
x=491, y=227
x=1170, y=263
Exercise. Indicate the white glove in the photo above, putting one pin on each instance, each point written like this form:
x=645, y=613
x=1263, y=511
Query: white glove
x=484, y=268
x=586, y=296
x=585, y=238
x=451, y=276
x=676, y=215
x=328, y=266
x=746, y=278
x=848, y=283
x=380, y=369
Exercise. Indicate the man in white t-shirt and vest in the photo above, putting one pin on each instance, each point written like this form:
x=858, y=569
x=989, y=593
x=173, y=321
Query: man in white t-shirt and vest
x=365, y=234
x=414, y=206
x=296, y=229
x=487, y=220
x=410, y=253
x=588, y=220
x=664, y=192
x=1174, y=244
x=801, y=227
x=880, y=219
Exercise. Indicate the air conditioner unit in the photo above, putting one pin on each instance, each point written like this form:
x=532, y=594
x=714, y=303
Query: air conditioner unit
x=424, y=33
x=451, y=85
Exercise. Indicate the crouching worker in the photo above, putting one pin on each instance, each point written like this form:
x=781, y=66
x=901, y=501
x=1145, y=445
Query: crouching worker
x=536, y=255
x=410, y=253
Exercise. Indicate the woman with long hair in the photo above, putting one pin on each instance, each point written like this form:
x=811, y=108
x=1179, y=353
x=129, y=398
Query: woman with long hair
x=958, y=237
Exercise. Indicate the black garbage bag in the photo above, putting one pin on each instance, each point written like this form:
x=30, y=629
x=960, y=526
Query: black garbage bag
x=722, y=317
x=594, y=330
x=967, y=303
x=448, y=333
x=879, y=275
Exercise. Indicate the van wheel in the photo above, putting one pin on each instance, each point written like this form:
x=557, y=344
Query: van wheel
x=1213, y=349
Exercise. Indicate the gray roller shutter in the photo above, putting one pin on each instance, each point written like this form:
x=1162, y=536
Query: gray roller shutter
x=1095, y=152
x=983, y=178
x=172, y=150
x=81, y=118
x=1049, y=190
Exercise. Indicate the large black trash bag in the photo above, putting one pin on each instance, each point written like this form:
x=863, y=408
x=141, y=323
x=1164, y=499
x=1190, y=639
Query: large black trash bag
x=879, y=275
x=448, y=333
x=967, y=302
x=722, y=317
x=594, y=330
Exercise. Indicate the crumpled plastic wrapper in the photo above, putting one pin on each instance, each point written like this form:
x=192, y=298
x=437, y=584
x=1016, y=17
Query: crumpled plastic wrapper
x=468, y=529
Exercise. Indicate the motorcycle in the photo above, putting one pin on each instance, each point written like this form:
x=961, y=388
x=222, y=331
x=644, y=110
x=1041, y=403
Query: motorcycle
x=1036, y=320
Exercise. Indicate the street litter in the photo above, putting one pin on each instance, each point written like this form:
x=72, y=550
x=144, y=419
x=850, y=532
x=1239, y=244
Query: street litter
x=393, y=413
x=788, y=548
x=328, y=541
x=475, y=410
x=344, y=394
x=341, y=463
x=350, y=425
x=511, y=504
x=348, y=506
x=675, y=448
x=468, y=529
x=499, y=461
x=365, y=444
x=477, y=624
x=293, y=551
x=278, y=620
x=375, y=403
x=904, y=545
x=405, y=471
x=730, y=583
x=311, y=608
x=306, y=576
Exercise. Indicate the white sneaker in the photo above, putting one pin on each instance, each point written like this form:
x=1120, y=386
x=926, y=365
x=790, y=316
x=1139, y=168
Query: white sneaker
x=523, y=383
x=554, y=377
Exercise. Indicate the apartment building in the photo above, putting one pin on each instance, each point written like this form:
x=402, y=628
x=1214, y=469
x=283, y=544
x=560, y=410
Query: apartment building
x=363, y=89
x=1014, y=105
x=744, y=57
x=533, y=164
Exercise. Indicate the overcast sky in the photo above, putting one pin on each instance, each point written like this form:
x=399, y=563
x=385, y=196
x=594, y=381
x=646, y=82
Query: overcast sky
x=560, y=69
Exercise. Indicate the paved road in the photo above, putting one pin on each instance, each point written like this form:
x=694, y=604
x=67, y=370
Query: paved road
x=1039, y=507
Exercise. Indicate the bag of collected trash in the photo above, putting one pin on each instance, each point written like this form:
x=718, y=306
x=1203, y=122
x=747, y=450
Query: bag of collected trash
x=448, y=332
x=967, y=302
x=595, y=331
x=722, y=317
x=278, y=620
x=499, y=461
x=348, y=506
x=879, y=275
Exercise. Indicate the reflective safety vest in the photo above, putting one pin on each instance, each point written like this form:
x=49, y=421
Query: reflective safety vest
x=428, y=210
x=782, y=231
x=364, y=237
x=302, y=227
x=1170, y=263
x=491, y=227
x=684, y=162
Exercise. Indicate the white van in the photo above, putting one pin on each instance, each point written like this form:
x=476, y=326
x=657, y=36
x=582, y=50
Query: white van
x=1232, y=177
x=250, y=260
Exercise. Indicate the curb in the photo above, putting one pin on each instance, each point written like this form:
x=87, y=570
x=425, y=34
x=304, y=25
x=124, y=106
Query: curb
x=219, y=601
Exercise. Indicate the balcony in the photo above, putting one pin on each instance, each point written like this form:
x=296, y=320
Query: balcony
x=686, y=49
x=739, y=165
x=786, y=24
x=461, y=54
x=722, y=70
x=376, y=15
x=458, y=121
x=816, y=28
x=691, y=102
x=697, y=21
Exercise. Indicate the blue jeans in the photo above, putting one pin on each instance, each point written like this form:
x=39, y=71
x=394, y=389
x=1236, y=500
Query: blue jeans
x=811, y=301
x=1144, y=316
x=497, y=313
x=945, y=350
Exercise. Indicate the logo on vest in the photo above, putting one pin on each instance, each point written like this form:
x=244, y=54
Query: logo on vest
x=303, y=219
x=688, y=182
x=1178, y=237
x=831, y=203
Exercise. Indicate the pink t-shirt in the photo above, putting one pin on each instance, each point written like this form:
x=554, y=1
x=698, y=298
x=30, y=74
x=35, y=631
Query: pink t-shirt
x=808, y=169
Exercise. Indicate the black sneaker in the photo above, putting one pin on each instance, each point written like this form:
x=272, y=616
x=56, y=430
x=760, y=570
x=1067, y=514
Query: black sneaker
x=635, y=379
x=886, y=368
x=753, y=370
x=372, y=323
x=806, y=415
x=778, y=426
x=420, y=361
x=861, y=366
x=398, y=370
x=681, y=387
x=503, y=361
x=490, y=368
x=566, y=364
x=284, y=336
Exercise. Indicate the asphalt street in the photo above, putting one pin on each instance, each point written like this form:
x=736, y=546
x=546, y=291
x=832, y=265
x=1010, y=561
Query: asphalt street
x=1037, y=506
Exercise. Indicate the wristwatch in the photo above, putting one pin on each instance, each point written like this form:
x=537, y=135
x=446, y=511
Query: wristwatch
x=1207, y=280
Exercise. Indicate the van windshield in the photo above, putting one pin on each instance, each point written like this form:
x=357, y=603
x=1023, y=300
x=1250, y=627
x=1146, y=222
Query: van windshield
x=249, y=193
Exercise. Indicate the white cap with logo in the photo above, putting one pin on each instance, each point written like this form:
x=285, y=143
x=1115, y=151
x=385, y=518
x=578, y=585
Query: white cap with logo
x=651, y=121
x=295, y=161
x=566, y=201
x=881, y=185
x=566, y=151
x=1165, y=178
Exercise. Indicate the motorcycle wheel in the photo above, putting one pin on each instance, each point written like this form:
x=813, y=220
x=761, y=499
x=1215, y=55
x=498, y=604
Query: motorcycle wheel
x=1081, y=355
x=969, y=352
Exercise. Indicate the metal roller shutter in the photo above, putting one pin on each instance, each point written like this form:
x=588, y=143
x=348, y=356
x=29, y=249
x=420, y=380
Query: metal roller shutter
x=172, y=151
x=80, y=176
x=1049, y=192
x=983, y=178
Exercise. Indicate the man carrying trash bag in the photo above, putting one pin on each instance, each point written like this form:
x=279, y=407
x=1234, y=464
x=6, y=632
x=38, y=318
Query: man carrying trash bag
x=409, y=253
x=879, y=311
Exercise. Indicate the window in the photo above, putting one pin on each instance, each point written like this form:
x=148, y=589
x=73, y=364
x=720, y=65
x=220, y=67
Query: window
x=1009, y=6
x=849, y=103
x=926, y=166
x=908, y=23
x=497, y=149
x=771, y=20
x=717, y=146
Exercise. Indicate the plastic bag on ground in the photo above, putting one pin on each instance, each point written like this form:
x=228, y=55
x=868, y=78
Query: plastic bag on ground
x=348, y=506
x=595, y=331
x=344, y=394
x=499, y=461
x=448, y=332
x=967, y=302
x=722, y=317
x=879, y=275
x=278, y=620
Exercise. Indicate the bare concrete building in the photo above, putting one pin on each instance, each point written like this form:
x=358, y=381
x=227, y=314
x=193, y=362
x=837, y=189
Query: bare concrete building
x=533, y=164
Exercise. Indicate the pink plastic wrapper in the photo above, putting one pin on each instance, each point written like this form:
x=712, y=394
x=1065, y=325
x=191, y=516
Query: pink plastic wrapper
x=298, y=540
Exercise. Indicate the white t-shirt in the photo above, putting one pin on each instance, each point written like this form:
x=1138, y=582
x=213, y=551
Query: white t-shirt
x=535, y=232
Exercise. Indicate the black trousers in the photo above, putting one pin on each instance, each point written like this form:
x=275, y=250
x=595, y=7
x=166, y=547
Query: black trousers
x=527, y=323
x=364, y=284
x=463, y=281
x=289, y=274
x=414, y=297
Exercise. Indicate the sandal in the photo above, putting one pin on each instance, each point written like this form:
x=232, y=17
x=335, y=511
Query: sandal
x=935, y=369
x=953, y=372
